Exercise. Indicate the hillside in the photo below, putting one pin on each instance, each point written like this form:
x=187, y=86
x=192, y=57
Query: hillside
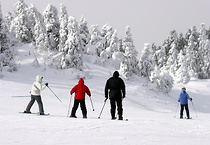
x=150, y=113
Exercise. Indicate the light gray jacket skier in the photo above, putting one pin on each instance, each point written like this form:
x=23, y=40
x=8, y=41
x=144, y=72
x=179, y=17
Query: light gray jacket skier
x=36, y=95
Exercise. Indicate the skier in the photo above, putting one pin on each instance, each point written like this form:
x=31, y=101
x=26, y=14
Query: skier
x=183, y=99
x=80, y=89
x=36, y=95
x=115, y=87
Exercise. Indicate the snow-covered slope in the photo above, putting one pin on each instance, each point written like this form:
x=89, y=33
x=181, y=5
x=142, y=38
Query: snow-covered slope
x=153, y=117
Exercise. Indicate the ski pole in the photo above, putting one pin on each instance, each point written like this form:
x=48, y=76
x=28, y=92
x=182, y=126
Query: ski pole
x=102, y=109
x=54, y=94
x=92, y=103
x=69, y=106
x=194, y=109
x=176, y=110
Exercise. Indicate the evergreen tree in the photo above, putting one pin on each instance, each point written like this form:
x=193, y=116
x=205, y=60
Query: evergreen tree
x=206, y=60
x=163, y=80
x=96, y=40
x=72, y=51
x=63, y=27
x=171, y=64
x=182, y=73
x=113, y=46
x=84, y=32
x=145, y=61
x=20, y=26
x=190, y=56
x=39, y=32
x=6, y=52
x=130, y=56
x=8, y=19
x=107, y=32
x=201, y=52
x=51, y=22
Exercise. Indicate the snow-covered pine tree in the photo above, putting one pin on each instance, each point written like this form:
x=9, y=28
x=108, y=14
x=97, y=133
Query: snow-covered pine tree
x=51, y=21
x=84, y=32
x=190, y=56
x=171, y=64
x=8, y=19
x=63, y=27
x=6, y=52
x=201, y=52
x=130, y=56
x=182, y=74
x=145, y=63
x=206, y=62
x=20, y=26
x=72, y=57
x=106, y=32
x=163, y=80
x=39, y=31
x=96, y=41
x=112, y=45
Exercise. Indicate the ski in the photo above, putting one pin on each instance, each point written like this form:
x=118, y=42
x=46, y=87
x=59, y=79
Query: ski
x=36, y=114
x=185, y=118
x=20, y=96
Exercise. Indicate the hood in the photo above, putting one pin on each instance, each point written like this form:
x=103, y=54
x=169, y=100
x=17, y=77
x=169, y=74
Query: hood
x=116, y=74
x=183, y=92
x=81, y=81
x=39, y=78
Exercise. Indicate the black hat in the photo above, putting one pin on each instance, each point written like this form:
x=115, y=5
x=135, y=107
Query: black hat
x=184, y=89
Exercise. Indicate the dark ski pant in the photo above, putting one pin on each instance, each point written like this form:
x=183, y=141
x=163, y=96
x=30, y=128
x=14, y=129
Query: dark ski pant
x=113, y=103
x=184, y=106
x=39, y=101
x=82, y=106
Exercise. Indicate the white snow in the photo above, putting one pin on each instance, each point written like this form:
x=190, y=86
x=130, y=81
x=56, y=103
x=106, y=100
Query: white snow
x=150, y=113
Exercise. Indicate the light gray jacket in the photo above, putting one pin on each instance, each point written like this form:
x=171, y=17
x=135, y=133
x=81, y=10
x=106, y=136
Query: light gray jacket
x=37, y=86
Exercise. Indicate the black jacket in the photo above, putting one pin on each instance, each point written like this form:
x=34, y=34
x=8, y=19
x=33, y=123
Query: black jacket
x=115, y=87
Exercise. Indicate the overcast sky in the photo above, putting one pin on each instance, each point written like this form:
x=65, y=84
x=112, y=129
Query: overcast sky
x=150, y=20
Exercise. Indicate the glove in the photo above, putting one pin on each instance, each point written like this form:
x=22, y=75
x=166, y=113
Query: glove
x=46, y=84
x=178, y=100
x=190, y=99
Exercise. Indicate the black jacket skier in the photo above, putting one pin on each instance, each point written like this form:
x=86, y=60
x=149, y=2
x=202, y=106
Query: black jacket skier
x=115, y=88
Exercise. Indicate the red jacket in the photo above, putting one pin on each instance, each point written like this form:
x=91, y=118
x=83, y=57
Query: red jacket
x=80, y=90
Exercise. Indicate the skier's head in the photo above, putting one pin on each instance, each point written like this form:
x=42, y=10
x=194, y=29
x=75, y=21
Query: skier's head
x=183, y=89
x=39, y=78
x=81, y=81
x=116, y=74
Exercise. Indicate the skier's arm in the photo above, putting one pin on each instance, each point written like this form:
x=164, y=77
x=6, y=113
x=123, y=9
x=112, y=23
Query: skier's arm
x=87, y=91
x=39, y=87
x=123, y=88
x=188, y=97
x=106, y=90
x=179, y=99
x=73, y=89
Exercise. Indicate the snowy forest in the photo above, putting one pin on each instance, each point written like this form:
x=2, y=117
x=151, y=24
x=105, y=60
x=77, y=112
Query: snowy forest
x=180, y=58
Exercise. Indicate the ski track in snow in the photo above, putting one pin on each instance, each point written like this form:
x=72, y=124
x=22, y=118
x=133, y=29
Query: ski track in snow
x=150, y=113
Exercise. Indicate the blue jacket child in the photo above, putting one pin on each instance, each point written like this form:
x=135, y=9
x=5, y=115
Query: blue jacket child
x=183, y=99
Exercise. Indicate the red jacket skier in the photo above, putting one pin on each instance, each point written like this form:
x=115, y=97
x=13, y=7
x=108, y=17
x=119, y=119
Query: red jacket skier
x=80, y=89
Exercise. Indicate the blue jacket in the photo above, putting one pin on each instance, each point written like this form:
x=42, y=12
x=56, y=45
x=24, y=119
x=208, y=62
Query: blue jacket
x=184, y=97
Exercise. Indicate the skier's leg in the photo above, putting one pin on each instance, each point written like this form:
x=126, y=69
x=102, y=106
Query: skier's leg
x=30, y=104
x=187, y=111
x=181, y=111
x=74, y=109
x=40, y=104
x=113, y=108
x=83, y=108
x=120, y=109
